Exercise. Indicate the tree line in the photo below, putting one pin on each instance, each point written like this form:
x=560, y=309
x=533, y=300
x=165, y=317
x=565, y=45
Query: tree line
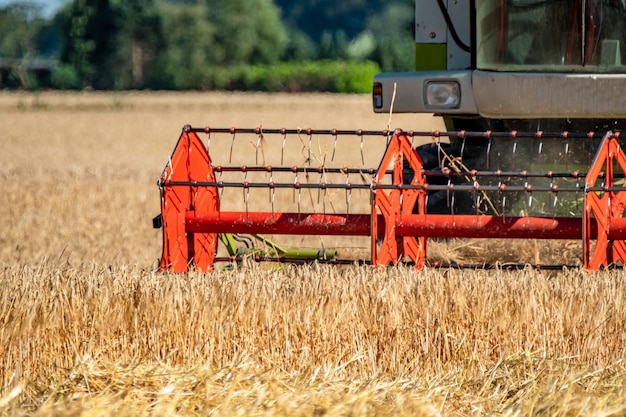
x=273, y=45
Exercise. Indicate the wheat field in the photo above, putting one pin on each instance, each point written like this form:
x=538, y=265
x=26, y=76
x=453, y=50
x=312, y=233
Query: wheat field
x=88, y=327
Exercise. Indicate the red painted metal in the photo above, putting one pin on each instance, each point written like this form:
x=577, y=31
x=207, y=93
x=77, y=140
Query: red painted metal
x=190, y=161
x=604, y=208
x=490, y=227
x=280, y=223
x=486, y=227
x=388, y=247
x=407, y=225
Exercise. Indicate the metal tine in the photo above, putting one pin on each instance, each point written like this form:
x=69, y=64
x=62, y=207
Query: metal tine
x=348, y=193
x=319, y=189
x=323, y=185
x=309, y=147
x=501, y=186
x=332, y=158
x=463, y=147
x=577, y=194
x=222, y=188
x=528, y=187
x=208, y=140
x=295, y=183
x=539, y=135
x=247, y=197
x=319, y=192
x=488, y=156
x=362, y=156
x=246, y=190
x=476, y=194
x=299, y=199
x=232, y=143
x=553, y=193
x=449, y=191
x=282, y=150
x=322, y=178
x=272, y=191
x=439, y=162
x=258, y=144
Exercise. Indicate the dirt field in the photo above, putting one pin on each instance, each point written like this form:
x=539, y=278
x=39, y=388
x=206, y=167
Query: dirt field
x=87, y=327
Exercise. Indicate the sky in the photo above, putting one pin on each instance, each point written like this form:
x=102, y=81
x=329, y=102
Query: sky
x=49, y=6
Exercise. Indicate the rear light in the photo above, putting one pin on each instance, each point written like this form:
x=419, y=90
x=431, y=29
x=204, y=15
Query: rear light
x=442, y=95
x=377, y=95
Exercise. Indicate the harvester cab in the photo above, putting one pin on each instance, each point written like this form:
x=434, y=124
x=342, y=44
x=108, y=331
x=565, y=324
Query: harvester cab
x=523, y=65
x=530, y=91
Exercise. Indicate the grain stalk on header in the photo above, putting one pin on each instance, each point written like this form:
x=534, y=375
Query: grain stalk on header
x=456, y=164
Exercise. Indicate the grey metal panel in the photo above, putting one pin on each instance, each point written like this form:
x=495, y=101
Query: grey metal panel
x=430, y=27
x=410, y=91
x=459, y=11
x=549, y=95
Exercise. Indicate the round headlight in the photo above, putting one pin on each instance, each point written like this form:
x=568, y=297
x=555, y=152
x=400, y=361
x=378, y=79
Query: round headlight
x=442, y=94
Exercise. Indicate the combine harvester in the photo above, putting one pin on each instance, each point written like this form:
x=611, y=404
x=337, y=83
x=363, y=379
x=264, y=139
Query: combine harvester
x=530, y=91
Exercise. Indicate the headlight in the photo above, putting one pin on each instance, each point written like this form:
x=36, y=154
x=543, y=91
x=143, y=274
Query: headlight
x=442, y=95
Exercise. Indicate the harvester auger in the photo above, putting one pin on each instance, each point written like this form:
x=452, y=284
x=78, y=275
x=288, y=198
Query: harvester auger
x=292, y=188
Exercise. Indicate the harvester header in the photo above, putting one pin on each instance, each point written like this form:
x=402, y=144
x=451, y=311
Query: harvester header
x=208, y=202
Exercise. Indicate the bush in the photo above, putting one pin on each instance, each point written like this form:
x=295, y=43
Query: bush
x=327, y=76
x=66, y=78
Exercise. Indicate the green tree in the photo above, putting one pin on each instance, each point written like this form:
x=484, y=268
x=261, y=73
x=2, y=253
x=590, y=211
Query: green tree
x=89, y=28
x=139, y=42
x=378, y=30
x=299, y=47
x=250, y=31
x=189, y=43
x=333, y=46
x=206, y=34
x=113, y=44
x=20, y=24
x=395, y=39
x=316, y=17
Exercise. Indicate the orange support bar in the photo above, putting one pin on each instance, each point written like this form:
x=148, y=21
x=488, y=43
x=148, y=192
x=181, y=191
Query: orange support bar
x=604, y=206
x=280, y=223
x=190, y=161
x=390, y=248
